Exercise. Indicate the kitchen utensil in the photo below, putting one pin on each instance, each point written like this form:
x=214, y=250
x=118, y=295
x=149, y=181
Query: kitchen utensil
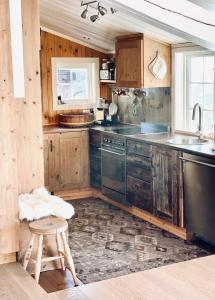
x=113, y=108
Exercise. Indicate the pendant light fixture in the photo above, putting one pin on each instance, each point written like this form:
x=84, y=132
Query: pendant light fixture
x=84, y=13
x=101, y=10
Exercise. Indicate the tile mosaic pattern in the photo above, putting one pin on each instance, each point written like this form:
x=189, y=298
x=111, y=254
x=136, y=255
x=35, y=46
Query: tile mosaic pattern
x=107, y=242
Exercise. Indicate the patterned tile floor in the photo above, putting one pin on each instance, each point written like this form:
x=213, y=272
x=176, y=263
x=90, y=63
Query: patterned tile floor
x=107, y=242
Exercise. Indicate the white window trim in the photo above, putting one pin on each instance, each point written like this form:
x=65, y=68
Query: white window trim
x=92, y=64
x=198, y=50
x=187, y=78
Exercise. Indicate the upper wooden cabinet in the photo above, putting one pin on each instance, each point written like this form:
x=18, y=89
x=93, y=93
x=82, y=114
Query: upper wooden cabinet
x=66, y=162
x=133, y=56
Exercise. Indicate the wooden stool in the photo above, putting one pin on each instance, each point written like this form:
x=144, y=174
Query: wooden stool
x=48, y=226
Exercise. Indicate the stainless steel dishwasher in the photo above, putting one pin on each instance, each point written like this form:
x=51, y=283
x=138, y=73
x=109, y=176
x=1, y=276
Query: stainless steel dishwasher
x=199, y=196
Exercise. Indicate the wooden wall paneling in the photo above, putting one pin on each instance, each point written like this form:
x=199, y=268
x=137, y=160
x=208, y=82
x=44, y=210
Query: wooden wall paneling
x=21, y=146
x=55, y=46
x=8, y=152
x=44, y=75
x=51, y=43
x=29, y=111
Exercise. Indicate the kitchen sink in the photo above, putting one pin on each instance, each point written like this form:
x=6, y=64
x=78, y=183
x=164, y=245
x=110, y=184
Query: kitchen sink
x=187, y=141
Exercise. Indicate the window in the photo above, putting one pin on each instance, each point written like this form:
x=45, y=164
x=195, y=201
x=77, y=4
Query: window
x=75, y=82
x=194, y=83
x=17, y=48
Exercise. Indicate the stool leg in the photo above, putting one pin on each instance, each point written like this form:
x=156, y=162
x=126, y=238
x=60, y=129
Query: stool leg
x=69, y=259
x=38, y=259
x=60, y=250
x=28, y=252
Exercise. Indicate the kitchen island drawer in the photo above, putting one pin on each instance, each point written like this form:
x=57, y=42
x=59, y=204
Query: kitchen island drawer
x=135, y=147
x=139, y=193
x=139, y=167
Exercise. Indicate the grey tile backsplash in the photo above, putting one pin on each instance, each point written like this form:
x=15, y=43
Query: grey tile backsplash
x=150, y=105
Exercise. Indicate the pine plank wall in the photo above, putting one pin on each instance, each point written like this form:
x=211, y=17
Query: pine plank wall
x=55, y=46
x=21, y=138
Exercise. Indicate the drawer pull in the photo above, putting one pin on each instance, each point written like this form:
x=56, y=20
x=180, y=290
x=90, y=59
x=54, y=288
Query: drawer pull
x=51, y=146
x=196, y=162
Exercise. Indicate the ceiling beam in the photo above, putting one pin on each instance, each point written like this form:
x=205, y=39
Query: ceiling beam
x=188, y=29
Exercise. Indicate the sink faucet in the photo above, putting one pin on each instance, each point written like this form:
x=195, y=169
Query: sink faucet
x=200, y=118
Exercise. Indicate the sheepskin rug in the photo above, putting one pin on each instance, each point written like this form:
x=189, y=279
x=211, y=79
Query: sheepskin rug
x=40, y=203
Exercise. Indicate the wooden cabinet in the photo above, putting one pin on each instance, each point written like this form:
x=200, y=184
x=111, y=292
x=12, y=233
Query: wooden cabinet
x=133, y=56
x=167, y=189
x=95, y=159
x=66, y=160
x=139, y=175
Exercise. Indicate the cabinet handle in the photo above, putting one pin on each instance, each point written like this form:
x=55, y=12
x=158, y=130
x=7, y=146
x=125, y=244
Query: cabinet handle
x=51, y=146
x=196, y=162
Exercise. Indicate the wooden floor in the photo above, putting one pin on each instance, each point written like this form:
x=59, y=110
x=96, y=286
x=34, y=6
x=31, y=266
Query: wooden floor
x=56, y=280
x=17, y=284
x=191, y=280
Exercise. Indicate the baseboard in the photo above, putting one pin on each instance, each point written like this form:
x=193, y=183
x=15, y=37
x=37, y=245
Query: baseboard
x=180, y=232
x=7, y=258
x=75, y=194
x=91, y=192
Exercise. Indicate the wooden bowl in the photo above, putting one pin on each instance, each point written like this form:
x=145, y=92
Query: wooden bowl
x=79, y=119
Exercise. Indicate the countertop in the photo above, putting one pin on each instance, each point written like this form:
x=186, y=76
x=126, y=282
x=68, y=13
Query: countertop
x=162, y=139
x=58, y=129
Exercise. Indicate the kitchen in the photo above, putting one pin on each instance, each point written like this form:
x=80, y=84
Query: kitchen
x=123, y=131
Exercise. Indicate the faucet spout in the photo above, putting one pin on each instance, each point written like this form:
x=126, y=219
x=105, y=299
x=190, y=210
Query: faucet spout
x=197, y=105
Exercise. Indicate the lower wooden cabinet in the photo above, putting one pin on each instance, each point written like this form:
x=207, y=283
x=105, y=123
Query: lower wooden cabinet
x=66, y=160
x=139, y=175
x=154, y=180
x=167, y=183
x=139, y=192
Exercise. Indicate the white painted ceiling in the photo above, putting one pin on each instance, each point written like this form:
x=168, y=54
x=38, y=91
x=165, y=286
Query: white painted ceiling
x=63, y=16
x=207, y=4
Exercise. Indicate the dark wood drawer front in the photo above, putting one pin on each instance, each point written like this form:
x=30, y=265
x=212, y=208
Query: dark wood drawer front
x=140, y=167
x=95, y=138
x=139, y=193
x=134, y=147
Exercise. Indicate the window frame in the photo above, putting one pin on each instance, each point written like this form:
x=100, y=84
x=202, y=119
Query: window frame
x=187, y=81
x=187, y=51
x=92, y=65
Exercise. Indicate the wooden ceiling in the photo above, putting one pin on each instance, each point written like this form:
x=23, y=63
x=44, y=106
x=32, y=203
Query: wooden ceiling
x=63, y=16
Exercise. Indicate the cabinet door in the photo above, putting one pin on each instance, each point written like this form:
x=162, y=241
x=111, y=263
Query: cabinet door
x=51, y=161
x=129, y=58
x=46, y=159
x=74, y=161
x=166, y=183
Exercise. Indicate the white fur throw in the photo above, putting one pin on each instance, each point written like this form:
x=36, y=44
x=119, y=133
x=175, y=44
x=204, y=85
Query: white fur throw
x=40, y=203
